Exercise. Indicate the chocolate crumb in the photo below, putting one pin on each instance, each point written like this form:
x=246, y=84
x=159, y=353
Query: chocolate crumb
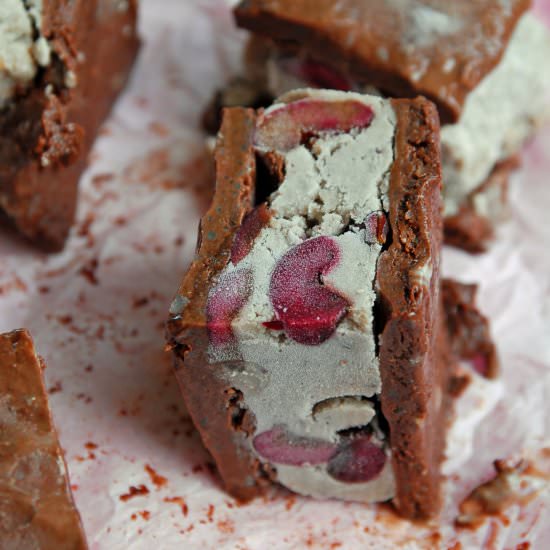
x=181, y=502
x=57, y=387
x=134, y=491
x=88, y=271
x=158, y=480
x=101, y=179
x=515, y=482
x=210, y=512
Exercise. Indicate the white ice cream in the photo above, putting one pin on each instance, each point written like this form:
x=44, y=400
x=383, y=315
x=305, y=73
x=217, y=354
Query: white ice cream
x=499, y=115
x=20, y=53
x=341, y=180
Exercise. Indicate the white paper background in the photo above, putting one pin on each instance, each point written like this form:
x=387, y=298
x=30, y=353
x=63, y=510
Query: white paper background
x=96, y=312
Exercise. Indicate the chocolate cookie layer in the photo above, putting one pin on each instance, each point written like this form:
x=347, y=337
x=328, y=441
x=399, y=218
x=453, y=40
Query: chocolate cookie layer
x=213, y=404
x=415, y=359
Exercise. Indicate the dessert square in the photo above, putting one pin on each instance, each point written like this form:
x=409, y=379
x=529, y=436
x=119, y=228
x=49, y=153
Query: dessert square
x=483, y=63
x=309, y=336
x=36, y=504
x=62, y=65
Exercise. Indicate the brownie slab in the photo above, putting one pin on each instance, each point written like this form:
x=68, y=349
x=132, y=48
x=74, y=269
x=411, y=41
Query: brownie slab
x=436, y=48
x=36, y=505
x=80, y=56
x=415, y=359
x=312, y=306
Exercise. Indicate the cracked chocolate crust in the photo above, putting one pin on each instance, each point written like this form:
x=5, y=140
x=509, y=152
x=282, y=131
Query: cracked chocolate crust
x=415, y=359
x=379, y=41
x=47, y=132
x=36, y=505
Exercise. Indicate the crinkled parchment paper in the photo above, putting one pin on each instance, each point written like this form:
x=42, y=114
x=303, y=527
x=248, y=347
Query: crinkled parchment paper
x=140, y=476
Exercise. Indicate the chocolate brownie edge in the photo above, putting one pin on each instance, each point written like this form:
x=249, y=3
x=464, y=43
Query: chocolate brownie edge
x=215, y=406
x=415, y=358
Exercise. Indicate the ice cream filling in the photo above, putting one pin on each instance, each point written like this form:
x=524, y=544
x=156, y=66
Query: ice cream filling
x=23, y=49
x=499, y=115
x=291, y=316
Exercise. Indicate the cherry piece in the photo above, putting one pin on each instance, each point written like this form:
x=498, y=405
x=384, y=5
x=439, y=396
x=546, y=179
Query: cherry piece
x=286, y=127
x=358, y=461
x=320, y=75
x=282, y=447
x=225, y=301
x=307, y=309
x=480, y=364
x=250, y=228
x=273, y=325
x=376, y=226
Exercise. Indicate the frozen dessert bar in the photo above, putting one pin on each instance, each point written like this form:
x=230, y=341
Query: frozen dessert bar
x=62, y=65
x=309, y=338
x=484, y=63
x=36, y=505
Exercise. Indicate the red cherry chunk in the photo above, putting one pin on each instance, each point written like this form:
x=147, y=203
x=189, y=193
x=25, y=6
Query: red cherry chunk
x=250, y=228
x=480, y=364
x=225, y=301
x=308, y=310
x=286, y=127
x=358, y=461
x=320, y=75
x=273, y=325
x=283, y=447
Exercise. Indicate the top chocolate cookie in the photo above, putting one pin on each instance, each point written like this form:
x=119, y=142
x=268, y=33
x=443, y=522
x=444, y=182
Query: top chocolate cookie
x=437, y=48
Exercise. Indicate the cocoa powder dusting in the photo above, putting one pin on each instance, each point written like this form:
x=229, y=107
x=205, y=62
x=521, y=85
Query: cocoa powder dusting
x=226, y=526
x=210, y=512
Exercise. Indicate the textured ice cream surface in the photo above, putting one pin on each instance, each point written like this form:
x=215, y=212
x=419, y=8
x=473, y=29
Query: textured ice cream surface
x=499, y=115
x=304, y=330
x=21, y=53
